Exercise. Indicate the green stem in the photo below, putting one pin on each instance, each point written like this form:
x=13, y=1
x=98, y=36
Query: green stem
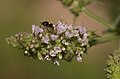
x=107, y=38
x=97, y=18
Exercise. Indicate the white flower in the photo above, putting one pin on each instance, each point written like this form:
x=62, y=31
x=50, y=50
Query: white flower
x=61, y=27
x=45, y=39
x=75, y=32
x=57, y=49
x=70, y=27
x=78, y=57
x=53, y=53
x=82, y=29
x=53, y=37
x=84, y=42
x=85, y=36
x=63, y=49
x=36, y=30
x=47, y=58
x=56, y=62
x=64, y=42
x=85, y=39
x=68, y=34
x=40, y=35
x=26, y=52
x=79, y=39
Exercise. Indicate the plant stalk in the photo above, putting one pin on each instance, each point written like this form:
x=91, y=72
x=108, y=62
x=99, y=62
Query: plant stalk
x=97, y=18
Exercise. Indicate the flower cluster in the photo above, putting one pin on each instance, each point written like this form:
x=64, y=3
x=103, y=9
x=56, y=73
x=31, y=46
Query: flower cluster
x=62, y=42
x=113, y=66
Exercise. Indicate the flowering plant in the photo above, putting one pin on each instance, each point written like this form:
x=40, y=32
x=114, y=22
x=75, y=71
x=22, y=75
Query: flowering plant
x=62, y=42
x=113, y=65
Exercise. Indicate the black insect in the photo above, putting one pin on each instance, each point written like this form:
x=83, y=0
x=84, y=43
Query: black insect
x=47, y=24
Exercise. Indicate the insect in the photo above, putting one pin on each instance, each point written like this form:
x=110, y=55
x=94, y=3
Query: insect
x=47, y=24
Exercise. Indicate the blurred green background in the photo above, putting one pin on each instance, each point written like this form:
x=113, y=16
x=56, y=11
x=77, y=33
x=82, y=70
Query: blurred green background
x=19, y=15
